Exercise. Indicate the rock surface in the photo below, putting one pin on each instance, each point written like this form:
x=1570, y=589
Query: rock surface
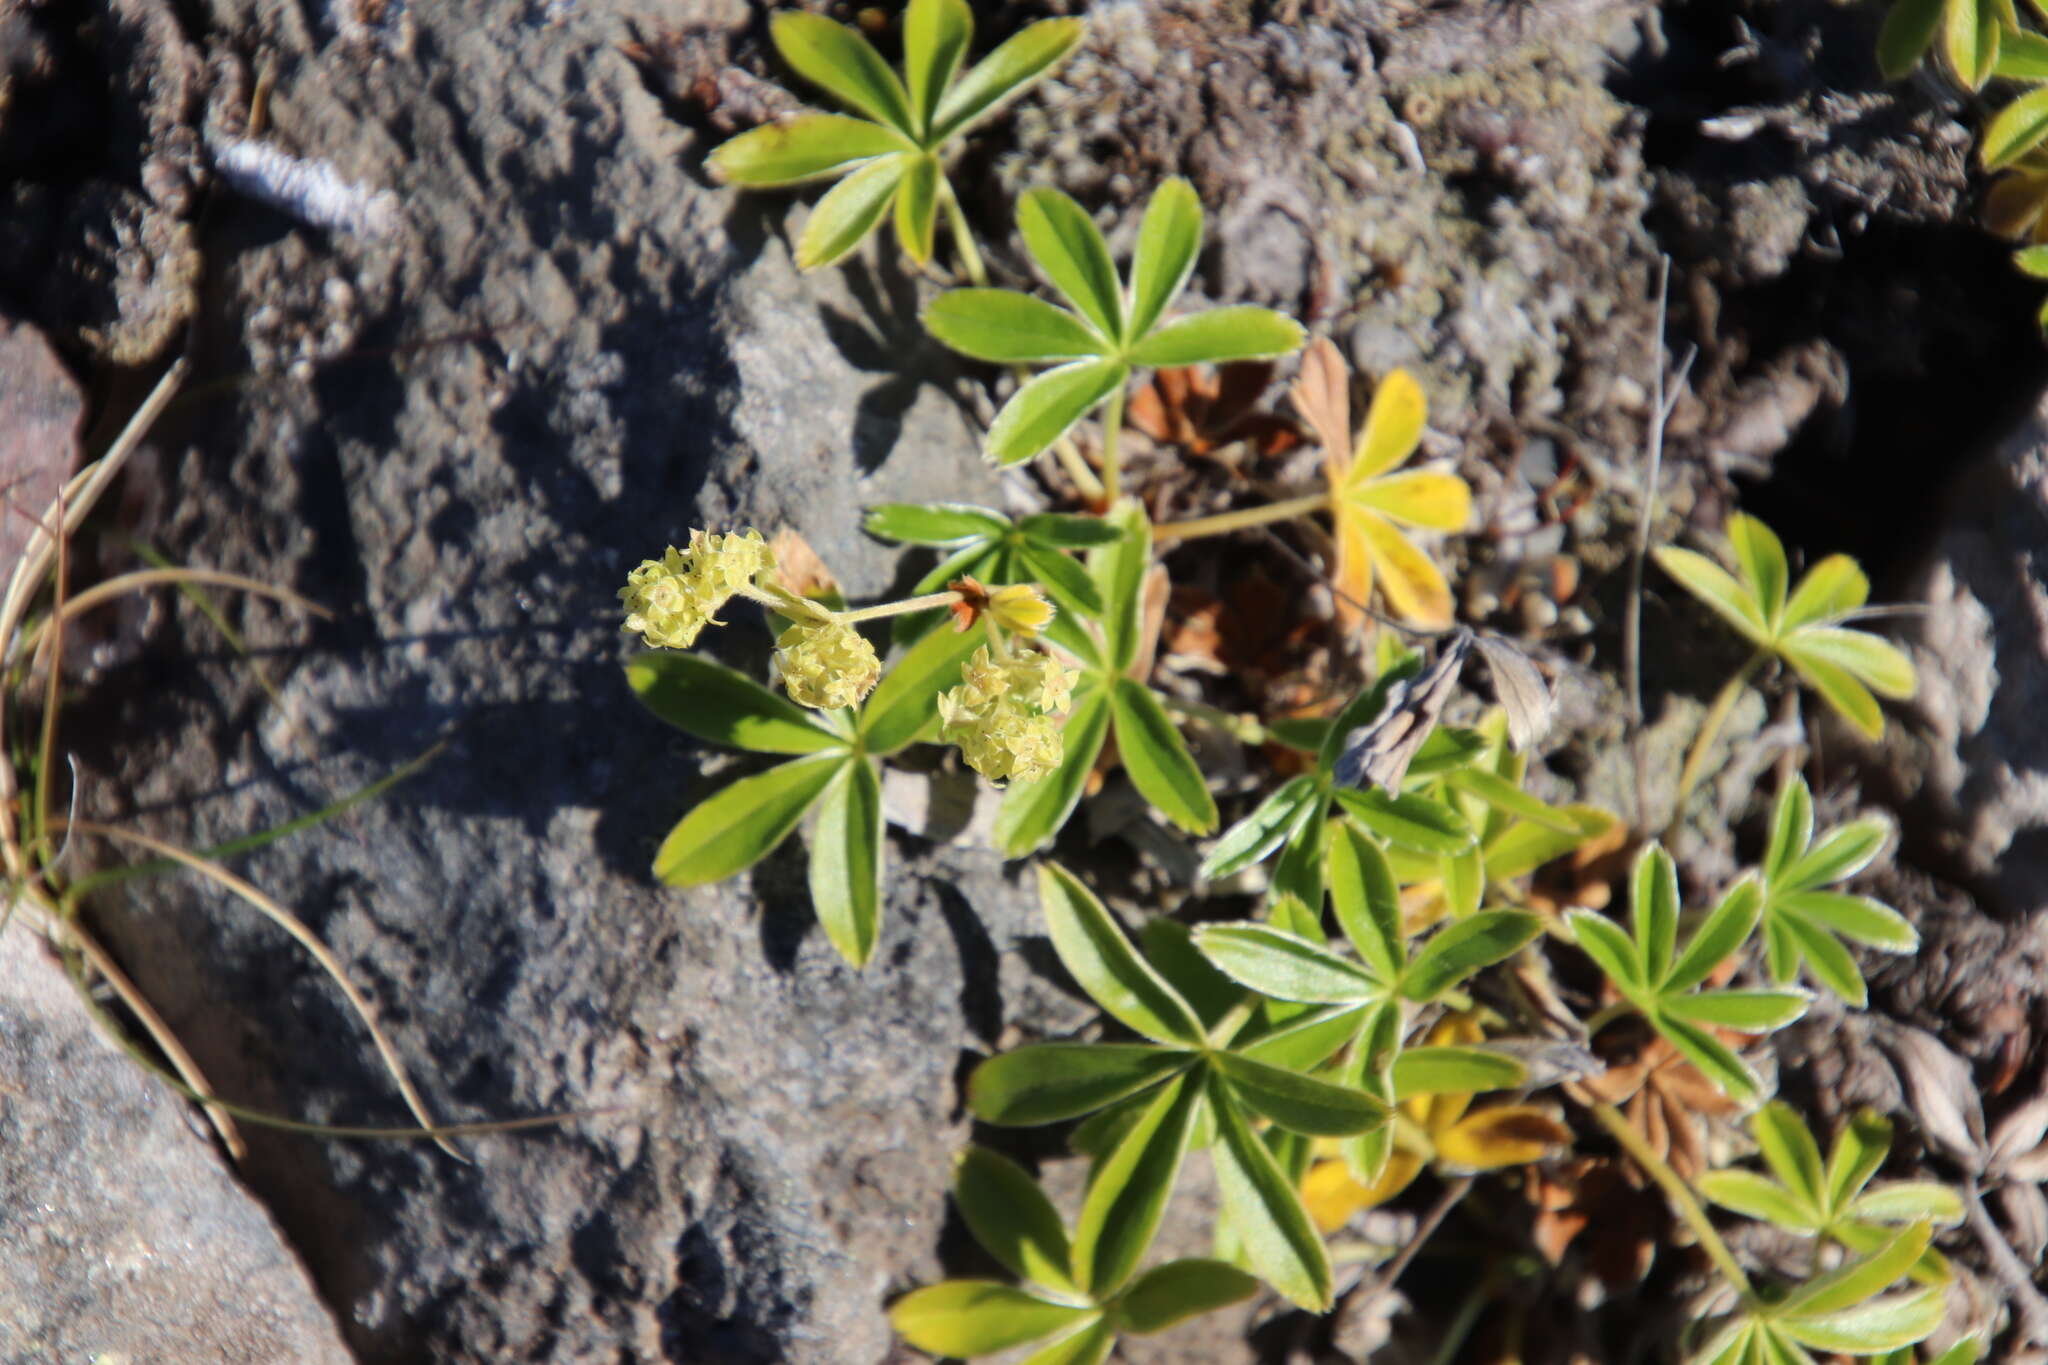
x=123, y=1237
x=576, y=349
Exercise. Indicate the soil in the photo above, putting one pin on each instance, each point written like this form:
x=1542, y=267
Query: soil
x=521, y=339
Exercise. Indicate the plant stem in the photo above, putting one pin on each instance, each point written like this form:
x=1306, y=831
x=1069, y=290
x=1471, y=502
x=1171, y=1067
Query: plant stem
x=1111, y=426
x=1243, y=729
x=1069, y=456
x=1683, y=1201
x=1225, y=522
x=1710, y=730
x=963, y=239
x=908, y=604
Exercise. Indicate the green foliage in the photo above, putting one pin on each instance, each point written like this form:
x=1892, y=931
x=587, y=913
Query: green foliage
x=1107, y=700
x=1801, y=921
x=1846, y=1310
x=1650, y=971
x=1109, y=327
x=891, y=155
x=995, y=549
x=1834, y=1201
x=1188, y=1074
x=833, y=773
x=1803, y=626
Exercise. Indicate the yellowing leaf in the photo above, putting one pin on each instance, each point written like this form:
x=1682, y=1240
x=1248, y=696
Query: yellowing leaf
x=1333, y=1195
x=1507, y=1135
x=1393, y=426
x=1439, y=501
x=1413, y=586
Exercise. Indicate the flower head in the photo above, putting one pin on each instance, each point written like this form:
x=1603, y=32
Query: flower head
x=827, y=664
x=1002, y=715
x=669, y=600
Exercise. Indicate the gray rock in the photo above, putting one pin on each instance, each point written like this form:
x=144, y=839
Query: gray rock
x=122, y=1236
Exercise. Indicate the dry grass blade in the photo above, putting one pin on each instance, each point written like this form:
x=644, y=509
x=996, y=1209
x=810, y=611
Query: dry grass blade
x=140, y=579
x=292, y=925
x=68, y=933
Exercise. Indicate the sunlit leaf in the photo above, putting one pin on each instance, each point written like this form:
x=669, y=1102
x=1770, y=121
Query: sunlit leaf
x=1068, y=247
x=968, y=1318
x=1716, y=587
x=1010, y=1216
x=850, y=209
x=935, y=37
x=846, y=861
x=1298, y=1103
x=1278, y=964
x=1464, y=947
x=1128, y=1192
x=807, y=147
x=714, y=703
x=1157, y=758
x=1092, y=946
x=1048, y=405
x=1006, y=326
x=1251, y=839
x=1909, y=29
x=845, y=65
x=1048, y=1082
x=1278, y=1238
x=742, y=822
x=1179, y=1290
x=1169, y=239
x=1219, y=335
x=1005, y=74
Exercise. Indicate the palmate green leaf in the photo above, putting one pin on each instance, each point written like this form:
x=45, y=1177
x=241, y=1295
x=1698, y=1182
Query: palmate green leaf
x=1169, y=239
x=1863, y=1238
x=845, y=65
x=1277, y=1235
x=1755, y=1196
x=1011, y=1217
x=2022, y=56
x=1710, y=1056
x=1503, y=795
x=935, y=37
x=850, y=209
x=807, y=147
x=1716, y=587
x=1032, y=812
x=1831, y=964
x=1066, y=531
x=741, y=823
x=1831, y=590
x=1090, y=1345
x=1298, y=1103
x=1119, y=568
x=1726, y=928
x=1367, y=902
x=1791, y=830
x=2015, y=130
x=1064, y=580
x=1464, y=881
x=1964, y=43
x=1045, y=408
x=1066, y=632
x=1157, y=758
x=1858, y=1152
x=1908, y=1201
x=846, y=861
x=1251, y=839
x=968, y=1318
x=1612, y=951
x=1881, y=1325
x=1218, y=336
x=1909, y=29
x=717, y=704
x=1653, y=912
x=1744, y=1011
x=1522, y=848
x=903, y=703
x=1878, y=664
x=1298, y=873
x=1307, y=1040
x=1128, y=1192
x=1169, y=946
x=1092, y=946
x=1409, y=820
x=1005, y=326
x=1850, y=699
x=1858, y=917
x=940, y=524
x=1070, y=250
x=1465, y=946
x=1276, y=963
x=1172, y=1293
x=1760, y=562
x=1791, y=1153
x=1005, y=74
x=917, y=208
x=1049, y=1082
x=1437, y=1069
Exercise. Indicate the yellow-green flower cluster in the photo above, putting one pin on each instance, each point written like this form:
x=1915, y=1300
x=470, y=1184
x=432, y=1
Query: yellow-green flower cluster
x=827, y=663
x=1002, y=714
x=669, y=600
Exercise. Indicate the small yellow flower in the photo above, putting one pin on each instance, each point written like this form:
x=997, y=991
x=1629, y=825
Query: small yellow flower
x=669, y=600
x=1002, y=715
x=827, y=664
x=1020, y=608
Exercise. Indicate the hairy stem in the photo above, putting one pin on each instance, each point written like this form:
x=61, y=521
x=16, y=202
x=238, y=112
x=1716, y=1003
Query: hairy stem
x=1683, y=1202
x=1710, y=730
x=963, y=238
x=1111, y=426
x=1085, y=480
x=908, y=604
x=1243, y=518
